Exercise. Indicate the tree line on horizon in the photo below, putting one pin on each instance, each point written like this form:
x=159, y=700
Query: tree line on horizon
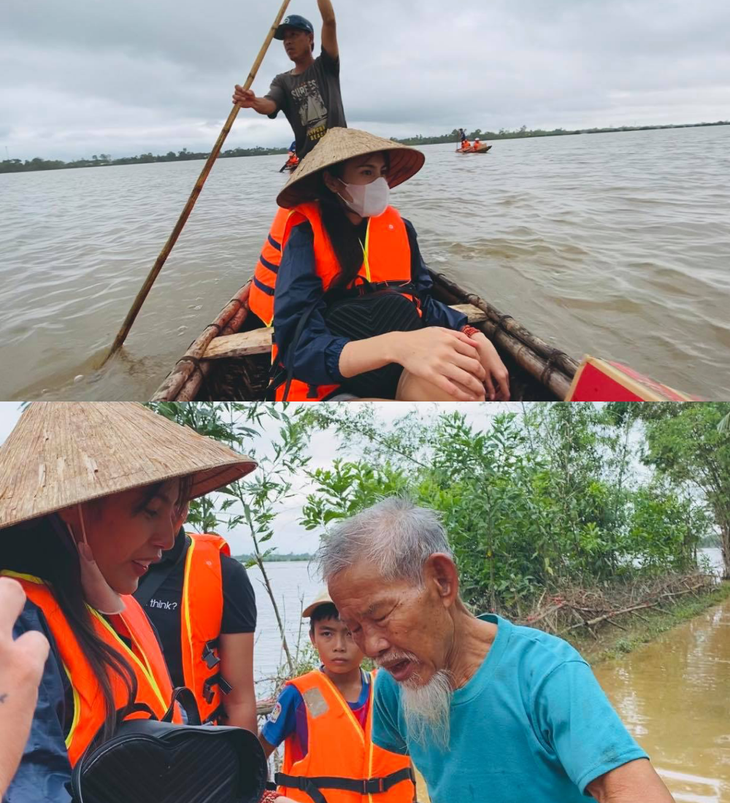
x=105, y=160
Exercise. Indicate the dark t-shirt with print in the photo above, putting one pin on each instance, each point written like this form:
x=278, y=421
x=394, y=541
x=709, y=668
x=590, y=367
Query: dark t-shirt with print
x=163, y=608
x=311, y=101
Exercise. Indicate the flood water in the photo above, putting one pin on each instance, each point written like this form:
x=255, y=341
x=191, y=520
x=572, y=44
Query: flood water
x=612, y=244
x=674, y=696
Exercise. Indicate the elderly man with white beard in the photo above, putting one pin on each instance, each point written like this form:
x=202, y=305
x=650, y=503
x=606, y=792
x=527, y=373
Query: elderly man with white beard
x=487, y=710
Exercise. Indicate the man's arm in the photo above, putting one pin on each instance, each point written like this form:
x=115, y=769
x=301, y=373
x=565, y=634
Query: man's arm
x=268, y=748
x=635, y=782
x=329, y=28
x=246, y=99
x=236, y=651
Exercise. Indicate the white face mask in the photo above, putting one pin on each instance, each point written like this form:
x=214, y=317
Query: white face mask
x=97, y=592
x=368, y=200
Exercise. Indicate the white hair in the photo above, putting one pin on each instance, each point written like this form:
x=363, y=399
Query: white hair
x=394, y=535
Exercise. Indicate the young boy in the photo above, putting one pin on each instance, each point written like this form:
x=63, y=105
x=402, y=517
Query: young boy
x=324, y=719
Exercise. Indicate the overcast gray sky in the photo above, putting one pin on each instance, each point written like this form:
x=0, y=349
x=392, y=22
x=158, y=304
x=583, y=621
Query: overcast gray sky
x=79, y=77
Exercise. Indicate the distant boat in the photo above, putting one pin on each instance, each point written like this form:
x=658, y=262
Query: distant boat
x=291, y=165
x=482, y=147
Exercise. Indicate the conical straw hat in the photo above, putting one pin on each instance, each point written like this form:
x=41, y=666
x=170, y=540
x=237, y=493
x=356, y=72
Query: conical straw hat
x=63, y=453
x=339, y=144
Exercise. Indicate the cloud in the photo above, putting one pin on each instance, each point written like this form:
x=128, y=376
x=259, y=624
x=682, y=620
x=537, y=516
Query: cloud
x=122, y=78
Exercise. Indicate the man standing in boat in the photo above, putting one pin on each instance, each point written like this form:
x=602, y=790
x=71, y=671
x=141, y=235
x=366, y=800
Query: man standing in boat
x=311, y=98
x=309, y=94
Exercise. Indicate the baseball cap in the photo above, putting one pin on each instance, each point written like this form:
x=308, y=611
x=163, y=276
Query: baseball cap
x=323, y=599
x=294, y=21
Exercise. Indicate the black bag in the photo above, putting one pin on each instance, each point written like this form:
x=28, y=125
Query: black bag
x=369, y=314
x=152, y=761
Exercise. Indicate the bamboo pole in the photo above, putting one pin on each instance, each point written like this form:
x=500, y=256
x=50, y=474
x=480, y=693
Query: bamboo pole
x=197, y=189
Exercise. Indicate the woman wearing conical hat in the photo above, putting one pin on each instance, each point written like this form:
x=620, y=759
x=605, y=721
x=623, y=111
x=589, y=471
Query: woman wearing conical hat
x=352, y=305
x=91, y=494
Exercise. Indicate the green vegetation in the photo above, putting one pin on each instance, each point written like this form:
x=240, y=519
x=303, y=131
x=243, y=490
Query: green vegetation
x=612, y=643
x=524, y=133
x=690, y=446
x=535, y=504
x=564, y=516
x=105, y=160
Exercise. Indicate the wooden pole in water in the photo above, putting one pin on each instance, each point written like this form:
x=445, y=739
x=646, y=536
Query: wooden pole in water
x=197, y=189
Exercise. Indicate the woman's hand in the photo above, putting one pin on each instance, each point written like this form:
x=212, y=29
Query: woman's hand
x=450, y=360
x=497, y=376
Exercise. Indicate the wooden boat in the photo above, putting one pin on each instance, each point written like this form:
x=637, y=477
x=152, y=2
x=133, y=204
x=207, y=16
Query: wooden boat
x=482, y=147
x=231, y=358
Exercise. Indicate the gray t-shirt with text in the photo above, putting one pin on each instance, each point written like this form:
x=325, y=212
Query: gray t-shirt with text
x=311, y=101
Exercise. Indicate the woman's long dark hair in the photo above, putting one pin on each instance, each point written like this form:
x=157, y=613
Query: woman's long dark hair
x=344, y=236
x=44, y=548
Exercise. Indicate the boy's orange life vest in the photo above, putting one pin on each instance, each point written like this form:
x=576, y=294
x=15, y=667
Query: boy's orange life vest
x=201, y=617
x=144, y=656
x=342, y=764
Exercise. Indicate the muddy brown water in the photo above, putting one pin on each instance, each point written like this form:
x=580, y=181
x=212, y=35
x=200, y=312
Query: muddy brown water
x=613, y=244
x=674, y=696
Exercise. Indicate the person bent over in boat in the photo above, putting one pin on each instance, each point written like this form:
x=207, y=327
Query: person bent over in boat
x=353, y=309
x=324, y=719
x=486, y=709
x=91, y=496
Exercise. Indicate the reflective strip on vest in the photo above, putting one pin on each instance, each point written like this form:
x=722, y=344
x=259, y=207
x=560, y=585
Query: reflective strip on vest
x=339, y=746
x=201, y=619
x=145, y=659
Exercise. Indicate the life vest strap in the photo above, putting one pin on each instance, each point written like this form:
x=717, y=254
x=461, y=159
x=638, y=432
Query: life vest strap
x=215, y=680
x=217, y=716
x=365, y=288
x=365, y=786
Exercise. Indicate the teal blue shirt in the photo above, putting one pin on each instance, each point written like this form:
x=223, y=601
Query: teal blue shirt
x=531, y=726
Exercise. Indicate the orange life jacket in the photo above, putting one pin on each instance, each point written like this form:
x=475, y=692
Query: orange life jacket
x=261, y=298
x=145, y=657
x=201, y=617
x=386, y=260
x=342, y=764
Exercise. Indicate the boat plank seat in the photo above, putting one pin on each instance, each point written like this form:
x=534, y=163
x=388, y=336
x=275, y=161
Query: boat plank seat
x=246, y=344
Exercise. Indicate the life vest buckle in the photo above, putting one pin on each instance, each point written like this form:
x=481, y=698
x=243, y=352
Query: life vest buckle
x=215, y=680
x=210, y=658
x=374, y=786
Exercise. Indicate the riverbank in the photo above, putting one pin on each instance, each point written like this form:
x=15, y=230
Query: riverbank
x=631, y=631
x=36, y=164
